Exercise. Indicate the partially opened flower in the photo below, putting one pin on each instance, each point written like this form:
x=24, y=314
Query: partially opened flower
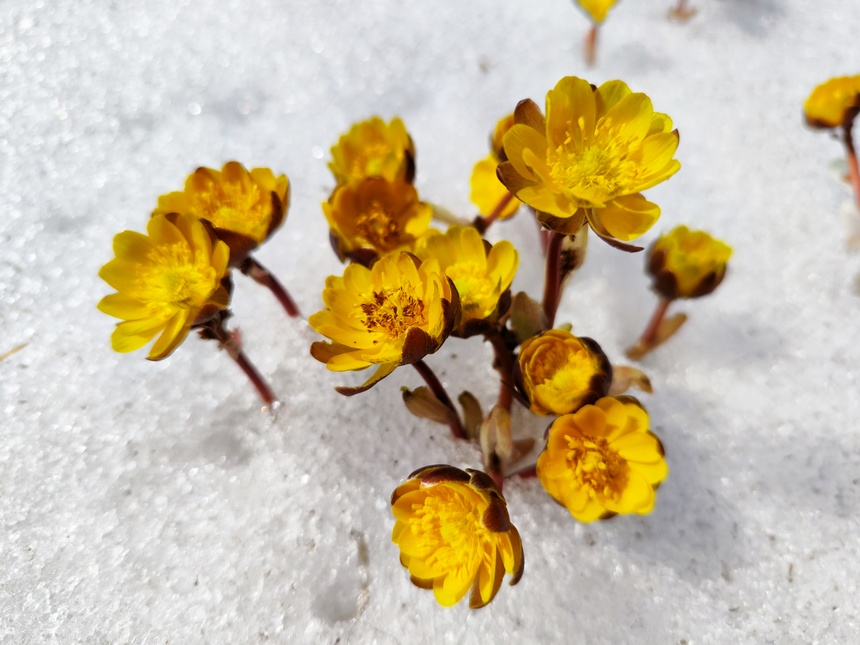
x=167, y=281
x=596, y=9
x=394, y=313
x=455, y=534
x=487, y=192
x=603, y=460
x=559, y=373
x=370, y=217
x=590, y=158
x=687, y=264
x=480, y=272
x=374, y=148
x=245, y=208
x=834, y=103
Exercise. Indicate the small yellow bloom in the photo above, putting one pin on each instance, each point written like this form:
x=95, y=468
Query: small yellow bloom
x=487, y=191
x=597, y=9
x=497, y=139
x=590, y=158
x=603, y=460
x=167, y=281
x=481, y=275
x=687, y=264
x=455, y=534
x=375, y=216
x=373, y=148
x=394, y=313
x=245, y=208
x=834, y=103
x=559, y=373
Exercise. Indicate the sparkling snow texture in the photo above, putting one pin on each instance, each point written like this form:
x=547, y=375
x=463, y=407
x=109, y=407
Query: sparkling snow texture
x=152, y=502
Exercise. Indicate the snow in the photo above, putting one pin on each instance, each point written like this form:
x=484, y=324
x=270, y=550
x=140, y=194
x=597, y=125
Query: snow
x=153, y=502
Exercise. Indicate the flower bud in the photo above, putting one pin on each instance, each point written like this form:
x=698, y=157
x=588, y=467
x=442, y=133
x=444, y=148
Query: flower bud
x=687, y=264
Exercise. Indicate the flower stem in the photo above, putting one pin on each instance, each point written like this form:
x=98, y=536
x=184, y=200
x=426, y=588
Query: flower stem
x=853, y=168
x=681, y=11
x=483, y=223
x=505, y=365
x=435, y=386
x=552, y=280
x=650, y=333
x=257, y=272
x=591, y=45
x=231, y=343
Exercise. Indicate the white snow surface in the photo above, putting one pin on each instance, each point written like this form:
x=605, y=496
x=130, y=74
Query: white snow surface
x=150, y=502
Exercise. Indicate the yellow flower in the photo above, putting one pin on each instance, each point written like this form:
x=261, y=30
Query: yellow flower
x=373, y=148
x=480, y=274
x=687, y=264
x=394, y=313
x=834, y=103
x=244, y=207
x=373, y=216
x=167, y=281
x=597, y=9
x=597, y=149
x=487, y=191
x=455, y=534
x=602, y=460
x=559, y=373
x=497, y=139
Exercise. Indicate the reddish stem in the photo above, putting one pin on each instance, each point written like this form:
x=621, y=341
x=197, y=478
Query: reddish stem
x=851, y=153
x=257, y=272
x=650, y=332
x=436, y=387
x=552, y=280
x=483, y=223
x=505, y=367
x=229, y=341
x=591, y=45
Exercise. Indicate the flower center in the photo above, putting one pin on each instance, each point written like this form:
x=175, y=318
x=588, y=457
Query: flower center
x=378, y=227
x=475, y=288
x=595, y=167
x=174, y=278
x=598, y=469
x=564, y=371
x=371, y=160
x=450, y=529
x=393, y=312
x=236, y=208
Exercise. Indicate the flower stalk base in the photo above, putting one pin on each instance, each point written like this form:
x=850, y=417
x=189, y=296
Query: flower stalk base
x=257, y=272
x=438, y=390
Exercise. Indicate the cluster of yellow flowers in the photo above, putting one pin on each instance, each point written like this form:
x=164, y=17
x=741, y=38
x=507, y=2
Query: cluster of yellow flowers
x=177, y=277
x=407, y=288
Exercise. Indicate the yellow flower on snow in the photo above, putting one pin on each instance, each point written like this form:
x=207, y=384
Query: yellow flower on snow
x=687, y=264
x=590, y=158
x=455, y=534
x=597, y=9
x=487, y=192
x=245, y=208
x=602, y=460
x=481, y=275
x=167, y=281
x=559, y=373
x=373, y=148
x=394, y=313
x=374, y=216
x=833, y=103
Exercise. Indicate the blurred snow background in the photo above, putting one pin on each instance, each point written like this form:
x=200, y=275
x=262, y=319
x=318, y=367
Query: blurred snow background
x=153, y=503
